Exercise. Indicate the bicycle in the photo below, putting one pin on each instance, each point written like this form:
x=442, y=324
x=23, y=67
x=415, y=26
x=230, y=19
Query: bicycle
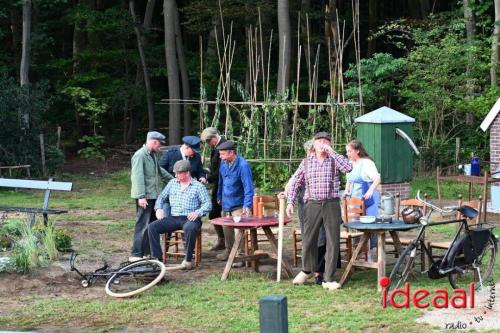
x=128, y=279
x=470, y=257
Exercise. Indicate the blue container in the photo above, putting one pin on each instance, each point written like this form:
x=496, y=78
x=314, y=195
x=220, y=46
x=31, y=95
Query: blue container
x=475, y=168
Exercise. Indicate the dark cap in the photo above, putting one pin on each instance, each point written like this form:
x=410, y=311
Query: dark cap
x=182, y=166
x=193, y=142
x=228, y=145
x=153, y=135
x=323, y=135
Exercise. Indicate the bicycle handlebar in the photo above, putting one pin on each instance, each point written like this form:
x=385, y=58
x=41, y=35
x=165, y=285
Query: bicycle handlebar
x=434, y=207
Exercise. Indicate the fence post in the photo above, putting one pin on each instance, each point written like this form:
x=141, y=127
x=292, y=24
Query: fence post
x=457, y=150
x=58, y=137
x=42, y=152
x=273, y=314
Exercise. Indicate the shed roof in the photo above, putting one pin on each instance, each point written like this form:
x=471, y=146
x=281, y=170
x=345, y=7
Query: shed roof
x=384, y=115
x=491, y=116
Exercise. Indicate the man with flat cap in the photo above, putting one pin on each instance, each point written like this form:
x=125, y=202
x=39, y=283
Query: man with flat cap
x=190, y=151
x=189, y=201
x=211, y=137
x=235, y=192
x=319, y=174
x=145, y=176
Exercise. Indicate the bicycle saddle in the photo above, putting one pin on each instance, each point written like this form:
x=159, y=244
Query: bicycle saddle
x=468, y=211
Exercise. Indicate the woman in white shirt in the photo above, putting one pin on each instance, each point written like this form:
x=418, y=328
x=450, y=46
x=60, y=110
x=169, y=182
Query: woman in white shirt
x=363, y=180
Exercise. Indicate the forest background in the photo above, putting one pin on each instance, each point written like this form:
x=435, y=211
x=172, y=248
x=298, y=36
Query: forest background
x=266, y=73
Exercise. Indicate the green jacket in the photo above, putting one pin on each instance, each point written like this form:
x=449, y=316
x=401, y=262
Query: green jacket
x=145, y=175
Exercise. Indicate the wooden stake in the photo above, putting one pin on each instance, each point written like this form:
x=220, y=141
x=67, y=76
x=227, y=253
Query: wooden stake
x=42, y=152
x=280, y=235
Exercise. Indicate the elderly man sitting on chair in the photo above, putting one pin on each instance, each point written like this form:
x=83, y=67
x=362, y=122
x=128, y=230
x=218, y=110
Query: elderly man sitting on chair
x=189, y=201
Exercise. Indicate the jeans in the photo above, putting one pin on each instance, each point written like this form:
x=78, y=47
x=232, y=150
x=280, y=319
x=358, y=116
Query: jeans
x=140, y=243
x=169, y=224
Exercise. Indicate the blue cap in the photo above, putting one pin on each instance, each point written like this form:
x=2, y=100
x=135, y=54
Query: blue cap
x=193, y=142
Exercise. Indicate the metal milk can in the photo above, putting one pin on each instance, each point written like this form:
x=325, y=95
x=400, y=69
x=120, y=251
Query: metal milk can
x=387, y=203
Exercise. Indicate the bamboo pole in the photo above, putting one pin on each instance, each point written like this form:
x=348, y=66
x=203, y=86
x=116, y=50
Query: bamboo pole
x=281, y=219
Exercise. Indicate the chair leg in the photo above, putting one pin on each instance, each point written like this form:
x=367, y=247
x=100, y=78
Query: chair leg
x=294, y=245
x=349, y=247
x=198, y=249
x=166, y=245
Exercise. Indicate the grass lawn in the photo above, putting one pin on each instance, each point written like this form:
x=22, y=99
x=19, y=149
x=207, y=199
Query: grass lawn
x=191, y=301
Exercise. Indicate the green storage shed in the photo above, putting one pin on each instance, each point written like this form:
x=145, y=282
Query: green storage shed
x=391, y=152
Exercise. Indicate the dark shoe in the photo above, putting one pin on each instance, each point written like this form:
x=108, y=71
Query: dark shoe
x=218, y=246
x=319, y=279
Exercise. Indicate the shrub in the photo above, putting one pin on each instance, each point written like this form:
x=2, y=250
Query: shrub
x=62, y=240
x=27, y=253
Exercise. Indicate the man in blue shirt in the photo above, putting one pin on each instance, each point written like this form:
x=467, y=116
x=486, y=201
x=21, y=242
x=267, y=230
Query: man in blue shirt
x=235, y=191
x=189, y=201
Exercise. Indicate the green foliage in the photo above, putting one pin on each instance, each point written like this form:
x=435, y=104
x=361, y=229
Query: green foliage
x=48, y=238
x=27, y=249
x=21, y=113
x=62, y=240
x=380, y=77
x=94, y=148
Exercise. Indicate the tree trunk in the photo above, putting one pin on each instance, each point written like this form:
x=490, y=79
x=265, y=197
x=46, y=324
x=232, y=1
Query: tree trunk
x=16, y=28
x=26, y=46
x=372, y=26
x=470, y=22
x=495, y=48
x=144, y=67
x=186, y=91
x=285, y=46
x=78, y=44
x=174, y=116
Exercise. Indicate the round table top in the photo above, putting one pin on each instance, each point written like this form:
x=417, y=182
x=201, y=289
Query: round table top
x=249, y=222
x=396, y=225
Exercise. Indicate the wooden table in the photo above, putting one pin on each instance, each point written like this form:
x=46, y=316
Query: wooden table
x=252, y=223
x=379, y=229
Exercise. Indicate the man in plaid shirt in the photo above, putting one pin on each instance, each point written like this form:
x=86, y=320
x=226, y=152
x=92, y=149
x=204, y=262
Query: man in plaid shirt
x=189, y=201
x=319, y=174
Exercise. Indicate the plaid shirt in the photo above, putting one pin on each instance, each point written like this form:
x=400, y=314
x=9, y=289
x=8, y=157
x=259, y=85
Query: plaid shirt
x=193, y=198
x=322, y=179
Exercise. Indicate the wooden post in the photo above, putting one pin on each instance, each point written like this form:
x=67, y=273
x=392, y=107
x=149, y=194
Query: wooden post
x=42, y=152
x=281, y=219
x=58, y=144
x=485, y=195
x=273, y=314
x=457, y=150
x=438, y=173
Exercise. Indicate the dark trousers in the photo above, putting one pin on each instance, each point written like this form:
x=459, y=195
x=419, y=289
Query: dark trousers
x=215, y=213
x=169, y=224
x=316, y=214
x=144, y=216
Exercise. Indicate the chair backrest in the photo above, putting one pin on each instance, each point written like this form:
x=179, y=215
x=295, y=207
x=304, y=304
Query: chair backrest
x=476, y=204
x=414, y=203
x=352, y=209
x=270, y=203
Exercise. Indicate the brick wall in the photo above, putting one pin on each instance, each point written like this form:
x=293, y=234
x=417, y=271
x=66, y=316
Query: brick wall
x=495, y=140
x=402, y=188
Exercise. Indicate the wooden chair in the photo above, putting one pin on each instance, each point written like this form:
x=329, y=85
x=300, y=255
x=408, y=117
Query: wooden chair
x=271, y=207
x=297, y=245
x=476, y=204
x=413, y=203
x=352, y=209
x=175, y=247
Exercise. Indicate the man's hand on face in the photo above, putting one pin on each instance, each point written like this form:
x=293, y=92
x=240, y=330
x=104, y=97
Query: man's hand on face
x=203, y=180
x=192, y=216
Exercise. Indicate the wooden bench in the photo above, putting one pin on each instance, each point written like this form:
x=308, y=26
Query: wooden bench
x=47, y=185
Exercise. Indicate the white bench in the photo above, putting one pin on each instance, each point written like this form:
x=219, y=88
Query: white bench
x=46, y=185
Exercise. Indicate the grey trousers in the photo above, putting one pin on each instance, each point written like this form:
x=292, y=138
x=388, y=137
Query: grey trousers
x=316, y=214
x=229, y=234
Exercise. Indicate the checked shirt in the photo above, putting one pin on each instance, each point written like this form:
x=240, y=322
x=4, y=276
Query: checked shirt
x=321, y=178
x=193, y=198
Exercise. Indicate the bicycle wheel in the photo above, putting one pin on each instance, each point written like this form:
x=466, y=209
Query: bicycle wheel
x=404, y=267
x=484, y=263
x=135, y=278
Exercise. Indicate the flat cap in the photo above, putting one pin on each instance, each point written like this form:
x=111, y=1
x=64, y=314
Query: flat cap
x=323, y=135
x=228, y=145
x=208, y=133
x=153, y=135
x=193, y=142
x=182, y=166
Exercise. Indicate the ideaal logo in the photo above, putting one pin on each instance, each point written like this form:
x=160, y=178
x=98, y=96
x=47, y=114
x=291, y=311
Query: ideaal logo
x=422, y=298
x=441, y=299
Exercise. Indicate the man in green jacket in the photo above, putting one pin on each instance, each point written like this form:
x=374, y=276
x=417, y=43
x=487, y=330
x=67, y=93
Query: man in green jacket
x=145, y=190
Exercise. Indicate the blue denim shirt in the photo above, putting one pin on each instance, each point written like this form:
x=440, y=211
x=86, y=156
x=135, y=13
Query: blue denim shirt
x=235, y=185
